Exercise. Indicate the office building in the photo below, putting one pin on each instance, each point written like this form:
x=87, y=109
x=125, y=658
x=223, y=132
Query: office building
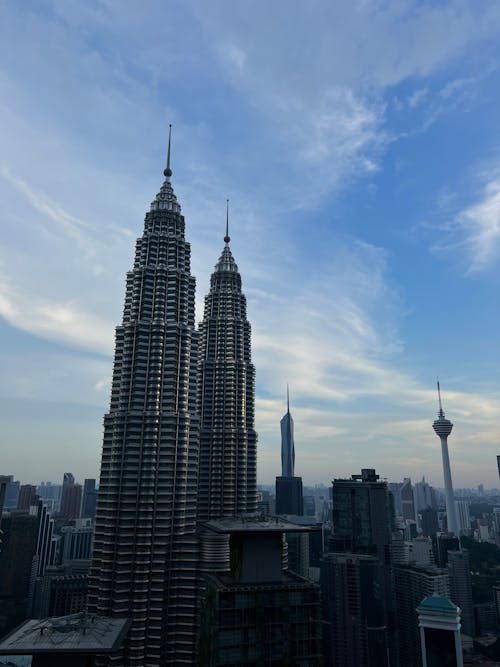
x=461, y=588
x=27, y=496
x=429, y=523
x=76, y=543
x=256, y=612
x=145, y=545
x=443, y=427
x=89, y=499
x=289, y=495
x=16, y=567
x=463, y=516
x=71, y=501
x=443, y=543
x=4, y=481
x=407, y=500
x=363, y=521
x=11, y=493
x=226, y=398
x=425, y=496
x=412, y=584
x=440, y=638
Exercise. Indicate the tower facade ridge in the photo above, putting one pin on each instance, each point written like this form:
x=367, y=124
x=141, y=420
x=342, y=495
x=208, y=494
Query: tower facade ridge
x=145, y=547
x=226, y=398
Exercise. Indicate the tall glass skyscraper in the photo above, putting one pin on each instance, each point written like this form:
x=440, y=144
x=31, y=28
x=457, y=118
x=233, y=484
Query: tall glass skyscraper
x=226, y=398
x=145, y=550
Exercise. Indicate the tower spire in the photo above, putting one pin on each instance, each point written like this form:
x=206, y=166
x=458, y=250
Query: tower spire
x=167, y=172
x=287, y=398
x=441, y=412
x=227, y=238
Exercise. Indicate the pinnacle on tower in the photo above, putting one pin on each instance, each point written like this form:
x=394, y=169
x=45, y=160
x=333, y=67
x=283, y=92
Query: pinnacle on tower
x=227, y=238
x=167, y=172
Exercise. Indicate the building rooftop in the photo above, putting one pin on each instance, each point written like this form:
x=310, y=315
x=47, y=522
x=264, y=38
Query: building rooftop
x=254, y=525
x=437, y=602
x=77, y=633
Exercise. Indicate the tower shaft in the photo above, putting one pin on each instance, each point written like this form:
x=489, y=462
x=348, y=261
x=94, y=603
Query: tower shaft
x=451, y=511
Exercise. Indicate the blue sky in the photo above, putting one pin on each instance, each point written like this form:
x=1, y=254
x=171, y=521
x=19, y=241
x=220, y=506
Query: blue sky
x=359, y=145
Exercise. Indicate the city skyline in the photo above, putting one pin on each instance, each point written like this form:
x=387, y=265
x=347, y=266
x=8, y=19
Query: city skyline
x=366, y=207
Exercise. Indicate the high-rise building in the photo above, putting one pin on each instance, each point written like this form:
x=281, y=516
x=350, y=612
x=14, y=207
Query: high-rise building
x=287, y=442
x=461, y=587
x=27, y=496
x=429, y=522
x=256, y=612
x=71, y=501
x=89, y=499
x=443, y=543
x=425, y=496
x=463, y=515
x=443, y=427
x=76, y=543
x=4, y=481
x=407, y=500
x=289, y=494
x=16, y=567
x=11, y=493
x=363, y=521
x=228, y=441
x=413, y=583
x=145, y=547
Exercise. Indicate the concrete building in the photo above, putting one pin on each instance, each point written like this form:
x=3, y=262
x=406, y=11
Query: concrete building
x=145, y=547
x=407, y=500
x=255, y=611
x=226, y=397
x=442, y=428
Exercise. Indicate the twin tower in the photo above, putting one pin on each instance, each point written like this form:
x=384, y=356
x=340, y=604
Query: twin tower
x=179, y=441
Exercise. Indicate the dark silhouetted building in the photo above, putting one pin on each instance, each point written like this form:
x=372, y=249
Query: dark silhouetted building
x=16, y=567
x=461, y=588
x=71, y=501
x=27, y=497
x=89, y=499
x=444, y=542
x=429, y=523
x=413, y=584
x=363, y=521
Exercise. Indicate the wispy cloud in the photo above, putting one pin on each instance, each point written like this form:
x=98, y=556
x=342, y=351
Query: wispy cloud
x=474, y=230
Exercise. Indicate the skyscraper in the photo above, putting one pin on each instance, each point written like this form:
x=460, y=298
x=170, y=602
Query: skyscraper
x=362, y=518
x=442, y=427
x=287, y=443
x=145, y=549
x=289, y=493
x=226, y=398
